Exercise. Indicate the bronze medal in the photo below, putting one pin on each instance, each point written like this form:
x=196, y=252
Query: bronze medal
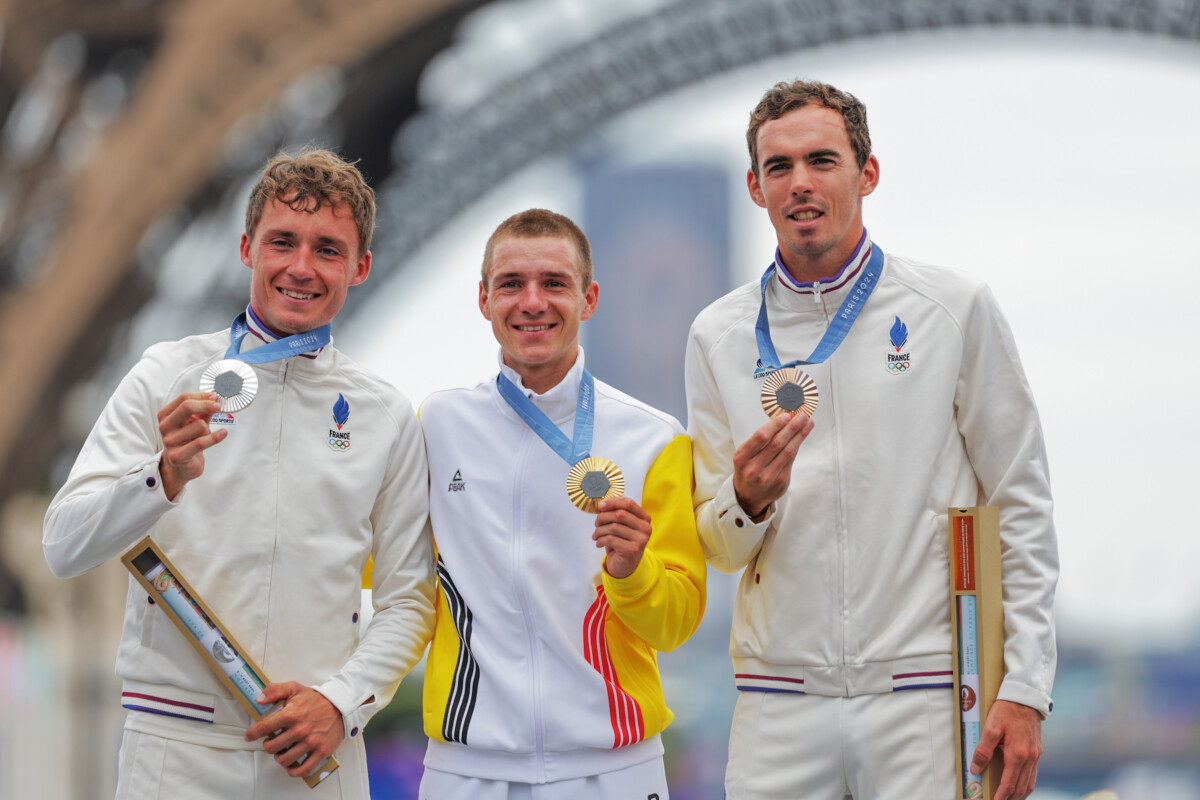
x=789, y=389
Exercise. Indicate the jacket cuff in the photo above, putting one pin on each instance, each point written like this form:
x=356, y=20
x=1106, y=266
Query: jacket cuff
x=637, y=583
x=354, y=715
x=150, y=478
x=1016, y=692
x=734, y=519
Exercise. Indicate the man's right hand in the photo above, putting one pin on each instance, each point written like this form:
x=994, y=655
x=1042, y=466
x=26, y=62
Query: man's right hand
x=762, y=466
x=183, y=423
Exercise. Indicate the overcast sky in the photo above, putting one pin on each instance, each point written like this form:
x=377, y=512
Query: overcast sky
x=1061, y=167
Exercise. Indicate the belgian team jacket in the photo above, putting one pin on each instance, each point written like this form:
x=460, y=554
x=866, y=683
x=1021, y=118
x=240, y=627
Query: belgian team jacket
x=543, y=666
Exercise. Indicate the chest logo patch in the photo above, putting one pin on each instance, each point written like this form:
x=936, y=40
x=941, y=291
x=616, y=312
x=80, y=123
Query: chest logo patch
x=899, y=361
x=339, y=438
x=457, y=484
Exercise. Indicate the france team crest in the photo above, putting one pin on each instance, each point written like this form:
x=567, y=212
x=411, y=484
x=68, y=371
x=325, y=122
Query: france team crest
x=899, y=361
x=339, y=439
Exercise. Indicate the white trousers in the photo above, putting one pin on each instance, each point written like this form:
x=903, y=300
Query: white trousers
x=645, y=781
x=154, y=768
x=896, y=746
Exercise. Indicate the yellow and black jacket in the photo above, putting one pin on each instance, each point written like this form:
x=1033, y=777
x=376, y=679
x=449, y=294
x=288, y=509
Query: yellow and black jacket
x=543, y=667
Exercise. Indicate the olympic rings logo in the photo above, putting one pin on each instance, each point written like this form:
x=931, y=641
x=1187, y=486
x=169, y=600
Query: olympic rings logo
x=898, y=366
x=339, y=445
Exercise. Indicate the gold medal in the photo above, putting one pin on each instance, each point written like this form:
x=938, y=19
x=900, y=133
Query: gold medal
x=235, y=381
x=592, y=480
x=789, y=389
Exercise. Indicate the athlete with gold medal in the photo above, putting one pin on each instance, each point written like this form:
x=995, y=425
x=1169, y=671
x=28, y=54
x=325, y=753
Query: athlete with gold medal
x=543, y=667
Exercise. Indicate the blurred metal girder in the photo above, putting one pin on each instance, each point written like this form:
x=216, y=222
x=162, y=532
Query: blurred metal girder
x=217, y=61
x=226, y=59
x=455, y=154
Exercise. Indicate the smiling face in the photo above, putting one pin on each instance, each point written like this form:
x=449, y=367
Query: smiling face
x=534, y=297
x=304, y=262
x=812, y=188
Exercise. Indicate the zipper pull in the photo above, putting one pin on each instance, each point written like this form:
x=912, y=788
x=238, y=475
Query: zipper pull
x=816, y=293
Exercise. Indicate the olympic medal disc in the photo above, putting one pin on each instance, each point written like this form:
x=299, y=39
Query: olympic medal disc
x=592, y=480
x=789, y=389
x=235, y=381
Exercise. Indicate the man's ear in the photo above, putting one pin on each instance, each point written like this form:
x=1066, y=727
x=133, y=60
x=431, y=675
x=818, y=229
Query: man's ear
x=870, y=177
x=362, y=269
x=483, y=304
x=756, y=192
x=591, y=299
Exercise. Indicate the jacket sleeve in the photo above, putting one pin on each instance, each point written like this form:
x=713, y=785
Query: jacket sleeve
x=663, y=600
x=402, y=586
x=113, y=495
x=999, y=424
x=729, y=537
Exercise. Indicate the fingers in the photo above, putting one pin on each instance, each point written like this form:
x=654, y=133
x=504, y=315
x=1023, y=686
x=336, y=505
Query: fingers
x=762, y=466
x=623, y=529
x=274, y=693
x=303, y=733
x=183, y=408
x=183, y=424
x=1015, y=731
x=983, y=753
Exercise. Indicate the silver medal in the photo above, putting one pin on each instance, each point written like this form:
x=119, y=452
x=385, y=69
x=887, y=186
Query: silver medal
x=235, y=381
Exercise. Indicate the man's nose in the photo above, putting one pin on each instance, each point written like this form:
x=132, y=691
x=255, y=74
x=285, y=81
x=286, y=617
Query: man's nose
x=533, y=298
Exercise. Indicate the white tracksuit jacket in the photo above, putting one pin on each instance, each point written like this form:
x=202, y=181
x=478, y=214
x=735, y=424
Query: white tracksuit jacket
x=924, y=406
x=543, y=666
x=274, y=535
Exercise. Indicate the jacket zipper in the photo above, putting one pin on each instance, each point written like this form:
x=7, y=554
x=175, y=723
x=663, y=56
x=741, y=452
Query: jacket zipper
x=535, y=665
x=840, y=519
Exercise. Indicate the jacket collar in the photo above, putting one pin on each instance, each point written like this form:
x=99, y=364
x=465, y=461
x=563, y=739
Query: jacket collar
x=807, y=295
x=559, y=401
x=259, y=334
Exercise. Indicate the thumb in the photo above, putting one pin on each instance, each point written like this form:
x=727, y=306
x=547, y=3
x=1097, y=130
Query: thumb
x=985, y=750
x=274, y=692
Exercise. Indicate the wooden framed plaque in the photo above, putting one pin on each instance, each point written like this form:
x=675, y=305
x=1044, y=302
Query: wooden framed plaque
x=211, y=640
x=977, y=624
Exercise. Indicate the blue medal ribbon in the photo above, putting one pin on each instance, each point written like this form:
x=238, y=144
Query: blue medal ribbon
x=277, y=350
x=572, y=451
x=838, y=327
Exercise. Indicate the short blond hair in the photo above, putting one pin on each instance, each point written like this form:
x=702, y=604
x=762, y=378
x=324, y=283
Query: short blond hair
x=535, y=223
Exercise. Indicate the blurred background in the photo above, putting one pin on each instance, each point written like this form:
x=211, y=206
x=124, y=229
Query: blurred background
x=1048, y=145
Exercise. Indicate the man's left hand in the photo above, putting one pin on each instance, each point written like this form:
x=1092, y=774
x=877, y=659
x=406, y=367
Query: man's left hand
x=308, y=724
x=623, y=530
x=1015, y=730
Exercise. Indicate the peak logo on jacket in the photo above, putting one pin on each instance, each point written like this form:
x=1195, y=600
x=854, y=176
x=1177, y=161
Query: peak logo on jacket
x=457, y=484
x=339, y=440
x=898, y=362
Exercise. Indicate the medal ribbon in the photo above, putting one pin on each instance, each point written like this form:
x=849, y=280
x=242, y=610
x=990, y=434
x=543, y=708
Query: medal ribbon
x=572, y=451
x=838, y=327
x=277, y=350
